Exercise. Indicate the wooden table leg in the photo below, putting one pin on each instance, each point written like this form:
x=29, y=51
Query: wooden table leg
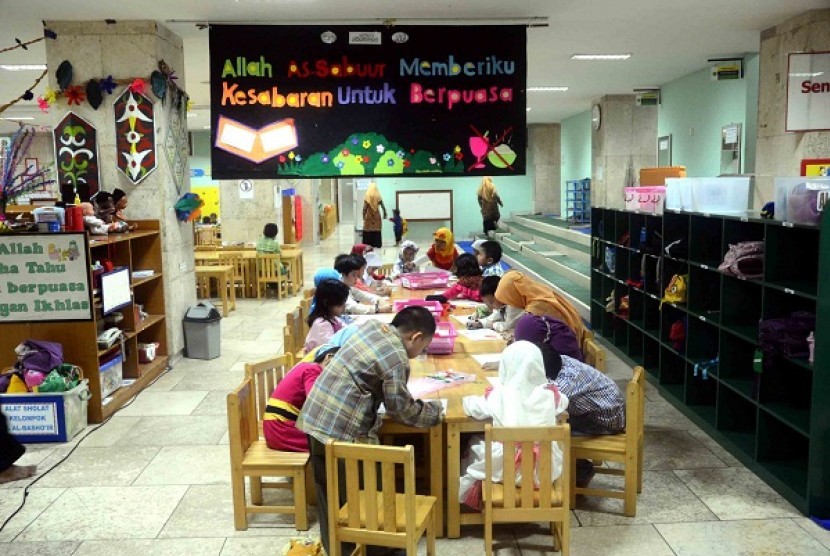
x=436, y=474
x=453, y=476
x=233, y=292
x=222, y=287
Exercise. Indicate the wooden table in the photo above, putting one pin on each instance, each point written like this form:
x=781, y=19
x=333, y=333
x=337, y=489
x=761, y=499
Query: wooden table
x=223, y=274
x=292, y=256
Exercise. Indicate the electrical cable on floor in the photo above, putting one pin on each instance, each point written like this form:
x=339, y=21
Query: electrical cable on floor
x=64, y=458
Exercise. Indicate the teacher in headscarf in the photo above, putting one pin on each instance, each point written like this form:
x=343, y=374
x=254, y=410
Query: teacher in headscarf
x=372, y=219
x=489, y=201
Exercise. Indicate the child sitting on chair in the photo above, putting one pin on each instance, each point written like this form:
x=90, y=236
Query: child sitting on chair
x=522, y=398
x=502, y=318
x=488, y=253
x=324, y=318
x=469, y=279
x=360, y=302
x=406, y=259
x=442, y=252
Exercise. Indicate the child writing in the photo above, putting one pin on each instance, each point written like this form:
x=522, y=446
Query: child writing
x=442, y=252
x=502, y=318
x=469, y=279
x=523, y=398
x=406, y=259
x=286, y=401
x=373, y=278
x=397, y=225
x=359, y=302
x=324, y=318
x=488, y=253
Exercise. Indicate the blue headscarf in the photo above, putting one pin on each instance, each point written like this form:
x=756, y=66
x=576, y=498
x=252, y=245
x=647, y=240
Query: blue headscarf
x=324, y=274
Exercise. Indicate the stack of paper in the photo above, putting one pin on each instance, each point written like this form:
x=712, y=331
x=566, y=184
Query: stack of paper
x=488, y=360
x=480, y=334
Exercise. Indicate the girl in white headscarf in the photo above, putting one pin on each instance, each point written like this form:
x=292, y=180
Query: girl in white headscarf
x=522, y=399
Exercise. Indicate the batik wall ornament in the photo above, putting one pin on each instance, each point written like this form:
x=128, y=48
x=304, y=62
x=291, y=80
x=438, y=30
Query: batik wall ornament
x=76, y=153
x=135, y=136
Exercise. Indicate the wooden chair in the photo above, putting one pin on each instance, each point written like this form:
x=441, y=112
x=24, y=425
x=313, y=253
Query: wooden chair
x=386, y=269
x=305, y=310
x=240, y=270
x=251, y=457
x=376, y=514
x=594, y=354
x=505, y=503
x=268, y=272
x=293, y=337
x=264, y=375
x=205, y=247
x=625, y=448
x=308, y=293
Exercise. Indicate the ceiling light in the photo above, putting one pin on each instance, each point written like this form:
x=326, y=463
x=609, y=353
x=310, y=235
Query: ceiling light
x=529, y=109
x=600, y=56
x=548, y=89
x=23, y=67
x=17, y=118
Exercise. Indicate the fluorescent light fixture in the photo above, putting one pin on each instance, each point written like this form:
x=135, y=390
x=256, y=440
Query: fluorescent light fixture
x=815, y=74
x=192, y=114
x=205, y=127
x=17, y=118
x=548, y=89
x=23, y=67
x=600, y=56
x=529, y=108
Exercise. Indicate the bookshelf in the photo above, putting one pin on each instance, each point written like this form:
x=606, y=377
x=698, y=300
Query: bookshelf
x=578, y=200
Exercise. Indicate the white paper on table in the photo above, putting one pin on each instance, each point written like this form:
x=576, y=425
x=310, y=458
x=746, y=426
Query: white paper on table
x=480, y=334
x=380, y=317
x=461, y=319
x=465, y=303
x=494, y=381
x=489, y=359
x=382, y=408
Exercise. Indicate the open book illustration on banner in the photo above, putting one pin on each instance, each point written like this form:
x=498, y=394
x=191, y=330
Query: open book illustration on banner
x=256, y=145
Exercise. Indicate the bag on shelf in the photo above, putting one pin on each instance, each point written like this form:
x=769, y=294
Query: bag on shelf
x=785, y=337
x=704, y=367
x=677, y=335
x=677, y=290
x=678, y=249
x=611, y=259
x=744, y=260
x=38, y=355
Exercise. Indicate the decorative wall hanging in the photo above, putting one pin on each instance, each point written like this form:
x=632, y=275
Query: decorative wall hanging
x=27, y=94
x=76, y=153
x=176, y=143
x=314, y=101
x=135, y=136
x=15, y=178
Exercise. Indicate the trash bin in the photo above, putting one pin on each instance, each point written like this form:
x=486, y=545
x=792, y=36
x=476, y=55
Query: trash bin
x=202, y=334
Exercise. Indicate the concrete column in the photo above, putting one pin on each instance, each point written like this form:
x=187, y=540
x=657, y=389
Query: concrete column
x=779, y=153
x=125, y=50
x=243, y=219
x=627, y=137
x=544, y=143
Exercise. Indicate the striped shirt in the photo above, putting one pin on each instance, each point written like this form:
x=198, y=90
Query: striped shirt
x=494, y=269
x=594, y=398
x=369, y=369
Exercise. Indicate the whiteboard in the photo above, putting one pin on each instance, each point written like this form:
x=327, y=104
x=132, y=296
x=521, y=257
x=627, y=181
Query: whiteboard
x=425, y=205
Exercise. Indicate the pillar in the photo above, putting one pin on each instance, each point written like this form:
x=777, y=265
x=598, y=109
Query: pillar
x=124, y=50
x=544, y=144
x=627, y=137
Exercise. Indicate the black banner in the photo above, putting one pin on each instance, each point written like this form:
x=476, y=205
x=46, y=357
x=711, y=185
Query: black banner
x=323, y=101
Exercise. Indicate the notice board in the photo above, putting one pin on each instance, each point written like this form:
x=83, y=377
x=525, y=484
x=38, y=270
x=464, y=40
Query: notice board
x=44, y=277
x=425, y=205
x=348, y=101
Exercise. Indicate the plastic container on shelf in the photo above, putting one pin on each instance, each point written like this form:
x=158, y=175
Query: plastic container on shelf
x=721, y=195
x=797, y=198
x=679, y=193
x=111, y=375
x=443, y=341
x=47, y=417
x=434, y=307
x=651, y=198
x=632, y=199
x=425, y=280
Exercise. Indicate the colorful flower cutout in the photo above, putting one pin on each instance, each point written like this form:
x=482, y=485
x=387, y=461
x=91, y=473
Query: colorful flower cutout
x=108, y=85
x=380, y=148
x=138, y=86
x=447, y=157
x=367, y=144
x=74, y=95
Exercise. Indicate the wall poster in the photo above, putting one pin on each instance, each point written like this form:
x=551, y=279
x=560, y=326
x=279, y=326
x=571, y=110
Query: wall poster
x=338, y=101
x=76, y=154
x=44, y=277
x=808, y=92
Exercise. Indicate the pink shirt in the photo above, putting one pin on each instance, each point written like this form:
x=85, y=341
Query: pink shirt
x=320, y=332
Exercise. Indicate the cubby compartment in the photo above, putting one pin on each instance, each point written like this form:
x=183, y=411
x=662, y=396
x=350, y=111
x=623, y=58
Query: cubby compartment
x=651, y=356
x=736, y=231
x=676, y=228
x=671, y=268
x=704, y=293
x=736, y=369
x=597, y=214
x=702, y=340
x=651, y=317
x=621, y=330
x=636, y=302
x=784, y=452
x=779, y=303
x=706, y=239
x=672, y=373
x=636, y=222
x=635, y=345
x=701, y=395
x=622, y=270
x=741, y=307
x=737, y=420
x=670, y=316
x=621, y=230
x=607, y=227
x=786, y=393
x=791, y=260
x=596, y=285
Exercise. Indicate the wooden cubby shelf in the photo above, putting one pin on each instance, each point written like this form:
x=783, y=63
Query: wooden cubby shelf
x=140, y=250
x=777, y=421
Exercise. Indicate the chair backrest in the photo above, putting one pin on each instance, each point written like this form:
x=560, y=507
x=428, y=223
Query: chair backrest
x=634, y=406
x=362, y=461
x=264, y=375
x=205, y=247
x=242, y=422
x=386, y=269
x=234, y=259
x=531, y=464
x=308, y=293
x=267, y=265
x=594, y=354
x=206, y=236
x=305, y=310
x=294, y=324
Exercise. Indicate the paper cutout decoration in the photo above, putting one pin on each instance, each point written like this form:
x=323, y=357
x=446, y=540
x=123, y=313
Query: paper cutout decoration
x=76, y=153
x=135, y=139
x=256, y=145
x=176, y=145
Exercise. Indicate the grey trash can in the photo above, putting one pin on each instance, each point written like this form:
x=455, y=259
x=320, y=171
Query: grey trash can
x=202, y=336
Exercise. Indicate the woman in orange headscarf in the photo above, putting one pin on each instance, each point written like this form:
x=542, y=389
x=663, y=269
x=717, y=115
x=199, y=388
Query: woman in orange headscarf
x=442, y=252
x=372, y=220
x=489, y=202
x=517, y=290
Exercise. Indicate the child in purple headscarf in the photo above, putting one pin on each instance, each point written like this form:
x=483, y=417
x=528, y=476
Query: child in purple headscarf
x=551, y=331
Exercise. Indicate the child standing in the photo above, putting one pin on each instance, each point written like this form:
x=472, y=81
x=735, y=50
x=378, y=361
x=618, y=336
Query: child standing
x=488, y=253
x=324, y=318
x=469, y=279
x=397, y=225
x=406, y=259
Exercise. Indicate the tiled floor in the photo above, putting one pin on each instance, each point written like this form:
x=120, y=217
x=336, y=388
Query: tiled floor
x=155, y=479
